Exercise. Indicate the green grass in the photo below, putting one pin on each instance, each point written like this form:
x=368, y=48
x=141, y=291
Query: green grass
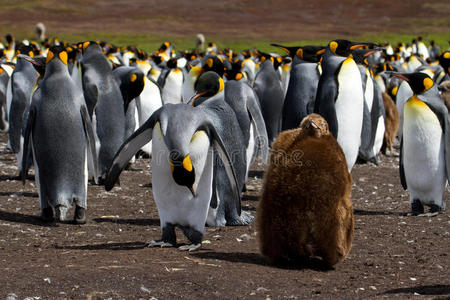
x=150, y=43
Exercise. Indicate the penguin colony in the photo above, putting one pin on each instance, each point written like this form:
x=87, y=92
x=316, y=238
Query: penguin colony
x=82, y=112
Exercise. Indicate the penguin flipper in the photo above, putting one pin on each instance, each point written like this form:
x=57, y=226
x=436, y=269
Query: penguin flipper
x=261, y=132
x=402, y=168
x=26, y=142
x=91, y=96
x=228, y=165
x=90, y=138
x=129, y=148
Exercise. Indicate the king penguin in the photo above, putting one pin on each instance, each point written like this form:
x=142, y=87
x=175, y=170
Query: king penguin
x=23, y=80
x=171, y=82
x=270, y=95
x=425, y=145
x=340, y=97
x=305, y=207
x=4, y=80
x=182, y=171
x=104, y=102
x=58, y=127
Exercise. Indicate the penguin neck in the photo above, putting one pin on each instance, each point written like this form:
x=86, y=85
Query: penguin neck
x=56, y=67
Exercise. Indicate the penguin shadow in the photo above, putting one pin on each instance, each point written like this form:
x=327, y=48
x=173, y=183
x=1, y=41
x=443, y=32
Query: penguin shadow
x=429, y=290
x=138, y=222
x=256, y=173
x=250, y=197
x=311, y=263
x=15, y=178
x=106, y=246
x=146, y=185
x=25, y=219
x=19, y=194
x=362, y=212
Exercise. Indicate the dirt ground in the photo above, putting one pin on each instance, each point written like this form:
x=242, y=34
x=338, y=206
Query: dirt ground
x=393, y=255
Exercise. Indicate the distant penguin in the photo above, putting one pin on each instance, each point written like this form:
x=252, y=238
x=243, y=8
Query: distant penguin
x=40, y=31
x=425, y=147
x=183, y=167
x=200, y=42
x=391, y=124
x=104, y=102
x=340, y=97
x=23, y=79
x=305, y=208
x=59, y=128
x=171, y=82
x=270, y=95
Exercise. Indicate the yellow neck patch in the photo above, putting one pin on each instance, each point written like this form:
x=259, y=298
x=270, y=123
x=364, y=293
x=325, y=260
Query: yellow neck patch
x=63, y=57
x=50, y=56
x=187, y=163
x=238, y=76
x=395, y=90
x=221, y=85
x=333, y=47
x=428, y=84
x=416, y=102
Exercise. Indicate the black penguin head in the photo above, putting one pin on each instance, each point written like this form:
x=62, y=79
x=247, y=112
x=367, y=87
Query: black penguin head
x=444, y=61
x=310, y=53
x=207, y=85
x=39, y=63
x=182, y=169
x=9, y=38
x=234, y=75
x=26, y=50
x=419, y=82
x=58, y=53
x=89, y=44
x=344, y=47
x=360, y=55
x=164, y=46
x=172, y=63
x=276, y=61
x=213, y=63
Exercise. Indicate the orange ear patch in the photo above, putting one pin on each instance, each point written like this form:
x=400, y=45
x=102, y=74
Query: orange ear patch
x=63, y=57
x=50, y=56
x=133, y=77
x=428, y=83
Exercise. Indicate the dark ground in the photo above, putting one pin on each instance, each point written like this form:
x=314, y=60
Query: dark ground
x=393, y=255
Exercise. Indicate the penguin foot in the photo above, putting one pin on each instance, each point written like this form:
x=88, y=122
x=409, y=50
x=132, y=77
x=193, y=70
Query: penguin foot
x=245, y=219
x=159, y=243
x=434, y=211
x=191, y=247
x=47, y=214
x=61, y=212
x=416, y=208
x=80, y=215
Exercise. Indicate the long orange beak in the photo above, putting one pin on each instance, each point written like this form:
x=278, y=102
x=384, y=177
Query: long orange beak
x=196, y=96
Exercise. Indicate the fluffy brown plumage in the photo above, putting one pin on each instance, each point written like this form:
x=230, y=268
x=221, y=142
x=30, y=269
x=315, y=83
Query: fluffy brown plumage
x=390, y=123
x=445, y=93
x=305, y=209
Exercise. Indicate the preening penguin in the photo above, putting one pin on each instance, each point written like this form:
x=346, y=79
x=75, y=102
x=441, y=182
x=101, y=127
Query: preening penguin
x=58, y=128
x=183, y=167
x=305, y=208
x=425, y=146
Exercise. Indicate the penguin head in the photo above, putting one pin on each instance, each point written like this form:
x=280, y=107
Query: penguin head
x=418, y=81
x=276, y=60
x=310, y=53
x=183, y=171
x=360, y=55
x=57, y=53
x=26, y=50
x=314, y=125
x=234, y=75
x=89, y=46
x=213, y=63
x=39, y=63
x=207, y=85
x=444, y=61
x=344, y=47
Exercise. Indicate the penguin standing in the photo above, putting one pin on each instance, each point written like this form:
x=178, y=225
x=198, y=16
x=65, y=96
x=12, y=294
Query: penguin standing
x=391, y=124
x=171, y=82
x=104, y=102
x=58, y=127
x=425, y=146
x=23, y=80
x=302, y=87
x=270, y=95
x=183, y=167
x=305, y=208
x=340, y=97
x=4, y=80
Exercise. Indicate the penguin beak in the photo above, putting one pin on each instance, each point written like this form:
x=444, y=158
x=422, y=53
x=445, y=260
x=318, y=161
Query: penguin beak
x=370, y=53
x=194, y=194
x=196, y=96
x=401, y=76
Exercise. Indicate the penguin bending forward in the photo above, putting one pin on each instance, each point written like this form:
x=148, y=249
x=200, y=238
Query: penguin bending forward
x=182, y=167
x=305, y=208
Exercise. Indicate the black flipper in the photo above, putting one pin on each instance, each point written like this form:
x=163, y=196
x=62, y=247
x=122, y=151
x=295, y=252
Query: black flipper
x=27, y=141
x=262, y=141
x=129, y=148
x=90, y=138
x=401, y=167
x=219, y=146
